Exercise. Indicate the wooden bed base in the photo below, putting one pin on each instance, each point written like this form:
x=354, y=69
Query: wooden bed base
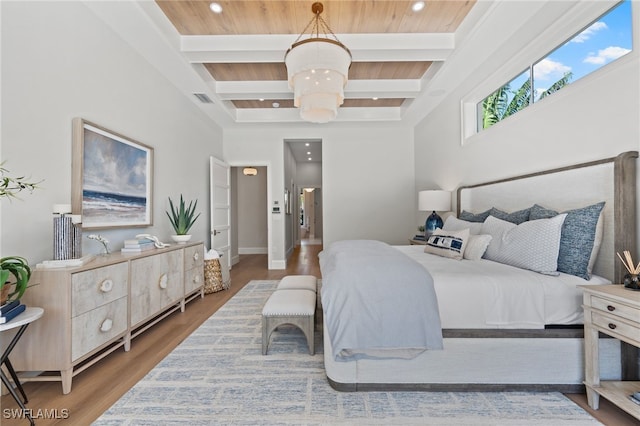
x=527, y=346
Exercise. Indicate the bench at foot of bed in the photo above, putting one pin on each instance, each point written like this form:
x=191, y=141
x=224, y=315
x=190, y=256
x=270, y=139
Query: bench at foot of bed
x=289, y=306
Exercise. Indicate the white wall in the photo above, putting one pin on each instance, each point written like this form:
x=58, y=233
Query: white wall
x=252, y=202
x=58, y=62
x=592, y=118
x=367, y=179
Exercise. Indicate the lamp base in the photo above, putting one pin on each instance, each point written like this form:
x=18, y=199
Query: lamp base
x=433, y=222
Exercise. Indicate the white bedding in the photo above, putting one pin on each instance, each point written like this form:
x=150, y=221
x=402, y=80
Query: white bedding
x=487, y=294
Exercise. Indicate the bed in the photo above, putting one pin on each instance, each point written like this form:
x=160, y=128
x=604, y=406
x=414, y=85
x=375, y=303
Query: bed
x=497, y=326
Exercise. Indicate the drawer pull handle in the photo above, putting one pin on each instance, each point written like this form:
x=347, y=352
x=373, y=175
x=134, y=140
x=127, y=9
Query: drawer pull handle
x=163, y=281
x=611, y=308
x=106, y=286
x=196, y=279
x=612, y=326
x=196, y=256
x=106, y=325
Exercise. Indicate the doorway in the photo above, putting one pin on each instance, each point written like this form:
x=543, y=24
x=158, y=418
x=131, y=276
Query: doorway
x=310, y=216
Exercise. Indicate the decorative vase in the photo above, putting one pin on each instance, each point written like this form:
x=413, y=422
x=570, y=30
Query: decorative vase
x=631, y=281
x=181, y=239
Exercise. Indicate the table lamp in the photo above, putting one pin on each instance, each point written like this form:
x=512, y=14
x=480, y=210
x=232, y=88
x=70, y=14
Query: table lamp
x=434, y=200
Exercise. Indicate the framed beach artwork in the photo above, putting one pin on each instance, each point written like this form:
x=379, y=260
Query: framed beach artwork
x=112, y=178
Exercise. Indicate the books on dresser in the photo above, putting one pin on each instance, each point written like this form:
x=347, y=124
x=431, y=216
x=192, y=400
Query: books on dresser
x=11, y=312
x=137, y=246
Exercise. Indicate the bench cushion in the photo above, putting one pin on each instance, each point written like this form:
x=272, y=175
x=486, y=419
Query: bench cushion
x=290, y=303
x=298, y=282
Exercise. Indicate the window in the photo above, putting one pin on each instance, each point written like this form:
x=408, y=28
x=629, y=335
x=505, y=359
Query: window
x=606, y=39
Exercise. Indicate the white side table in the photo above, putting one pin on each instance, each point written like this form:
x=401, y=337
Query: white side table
x=22, y=321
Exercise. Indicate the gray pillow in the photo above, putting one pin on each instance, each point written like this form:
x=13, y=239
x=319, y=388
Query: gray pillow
x=514, y=217
x=531, y=245
x=579, y=242
x=474, y=217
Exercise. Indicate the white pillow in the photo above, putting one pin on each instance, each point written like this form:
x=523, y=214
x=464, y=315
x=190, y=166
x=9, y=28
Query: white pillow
x=452, y=223
x=447, y=243
x=476, y=246
x=532, y=245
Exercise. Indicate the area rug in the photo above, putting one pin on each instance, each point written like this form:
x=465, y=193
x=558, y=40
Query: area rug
x=218, y=376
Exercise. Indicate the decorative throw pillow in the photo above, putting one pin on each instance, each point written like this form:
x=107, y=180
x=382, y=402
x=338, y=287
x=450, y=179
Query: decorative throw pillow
x=452, y=223
x=476, y=246
x=474, y=217
x=514, y=217
x=447, y=243
x=532, y=245
x=580, y=240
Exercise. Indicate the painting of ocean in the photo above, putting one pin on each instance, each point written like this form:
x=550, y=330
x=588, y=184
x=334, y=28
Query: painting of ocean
x=116, y=180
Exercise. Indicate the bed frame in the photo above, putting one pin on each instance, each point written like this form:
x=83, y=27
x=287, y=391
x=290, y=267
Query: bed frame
x=514, y=360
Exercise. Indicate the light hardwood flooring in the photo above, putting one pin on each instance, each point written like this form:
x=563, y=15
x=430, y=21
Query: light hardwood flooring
x=97, y=388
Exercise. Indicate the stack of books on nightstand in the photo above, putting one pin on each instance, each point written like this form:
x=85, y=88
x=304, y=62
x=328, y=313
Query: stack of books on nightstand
x=137, y=245
x=10, y=310
x=419, y=237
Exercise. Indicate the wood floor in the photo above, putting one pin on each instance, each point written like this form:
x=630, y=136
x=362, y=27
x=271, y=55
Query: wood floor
x=99, y=387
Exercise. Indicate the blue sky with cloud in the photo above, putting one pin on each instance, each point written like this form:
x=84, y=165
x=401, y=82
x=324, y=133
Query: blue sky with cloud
x=603, y=41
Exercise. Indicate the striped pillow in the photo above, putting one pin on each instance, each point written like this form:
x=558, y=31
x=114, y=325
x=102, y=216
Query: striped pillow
x=447, y=243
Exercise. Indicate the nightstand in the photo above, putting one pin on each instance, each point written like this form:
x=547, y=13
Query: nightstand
x=417, y=242
x=615, y=311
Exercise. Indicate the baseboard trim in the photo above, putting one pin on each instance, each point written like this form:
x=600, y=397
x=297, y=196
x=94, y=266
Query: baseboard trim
x=253, y=250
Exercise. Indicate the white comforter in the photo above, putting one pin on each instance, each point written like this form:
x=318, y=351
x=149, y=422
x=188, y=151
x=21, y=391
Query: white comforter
x=486, y=294
x=375, y=298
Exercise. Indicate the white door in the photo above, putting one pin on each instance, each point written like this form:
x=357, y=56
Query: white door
x=220, y=187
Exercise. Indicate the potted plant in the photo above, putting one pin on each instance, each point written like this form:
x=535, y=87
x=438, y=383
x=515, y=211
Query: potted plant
x=182, y=218
x=14, y=270
x=14, y=278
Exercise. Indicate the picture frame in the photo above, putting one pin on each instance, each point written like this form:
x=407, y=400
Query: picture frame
x=112, y=178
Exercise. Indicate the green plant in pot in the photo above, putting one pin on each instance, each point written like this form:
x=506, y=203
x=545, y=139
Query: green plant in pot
x=14, y=278
x=182, y=218
x=14, y=270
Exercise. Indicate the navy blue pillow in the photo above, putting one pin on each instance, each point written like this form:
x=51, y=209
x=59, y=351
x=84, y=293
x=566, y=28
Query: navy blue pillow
x=515, y=217
x=577, y=238
x=474, y=217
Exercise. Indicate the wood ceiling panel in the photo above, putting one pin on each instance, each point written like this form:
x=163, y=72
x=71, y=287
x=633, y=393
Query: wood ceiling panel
x=278, y=71
x=290, y=17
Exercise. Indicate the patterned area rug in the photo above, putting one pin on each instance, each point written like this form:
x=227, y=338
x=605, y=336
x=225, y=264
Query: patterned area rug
x=218, y=375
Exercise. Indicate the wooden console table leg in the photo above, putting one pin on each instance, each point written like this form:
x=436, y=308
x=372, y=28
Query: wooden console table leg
x=66, y=377
x=592, y=365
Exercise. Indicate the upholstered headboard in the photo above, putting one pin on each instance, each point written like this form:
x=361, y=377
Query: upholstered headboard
x=612, y=180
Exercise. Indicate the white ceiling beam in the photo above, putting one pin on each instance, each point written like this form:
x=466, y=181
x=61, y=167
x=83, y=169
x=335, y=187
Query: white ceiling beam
x=272, y=48
x=355, y=89
x=276, y=115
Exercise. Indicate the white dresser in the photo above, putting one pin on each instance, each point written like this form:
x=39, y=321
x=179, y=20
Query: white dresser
x=92, y=310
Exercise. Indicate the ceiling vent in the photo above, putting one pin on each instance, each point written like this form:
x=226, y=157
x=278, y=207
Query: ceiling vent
x=203, y=98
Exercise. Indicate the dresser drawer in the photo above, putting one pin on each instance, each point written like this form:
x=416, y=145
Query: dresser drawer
x=615, y=325
x=615, y=308
x=194, y=257
x=98, y=326
x=193, y=279
x=97, y=287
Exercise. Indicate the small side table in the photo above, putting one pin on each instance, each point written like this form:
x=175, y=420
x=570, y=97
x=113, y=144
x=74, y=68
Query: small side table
x=22, y=321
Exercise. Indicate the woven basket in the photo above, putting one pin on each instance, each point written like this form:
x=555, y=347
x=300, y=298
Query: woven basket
x=212, y=276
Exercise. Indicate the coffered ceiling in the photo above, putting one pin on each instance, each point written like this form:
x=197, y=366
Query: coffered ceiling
x=239, y=53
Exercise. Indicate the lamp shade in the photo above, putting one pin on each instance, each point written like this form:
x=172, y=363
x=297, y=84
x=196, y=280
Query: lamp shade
x=317, y=71
x=434, y=200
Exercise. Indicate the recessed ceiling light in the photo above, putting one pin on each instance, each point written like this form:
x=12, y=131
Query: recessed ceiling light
x=261, y=99
x=306, y=144
x=215, y=7
x=275, y=105
x=375, y=99
x=309, y=158
x=418, y=6
x=308, y=152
